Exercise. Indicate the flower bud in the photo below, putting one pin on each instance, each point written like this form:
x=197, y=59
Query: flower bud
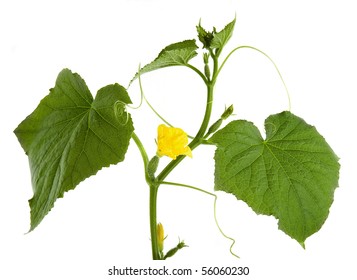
x=214, y=127
x=205, y=58
x=207, y=71
x=174, y=250
x=227, y=112
x=160, y=237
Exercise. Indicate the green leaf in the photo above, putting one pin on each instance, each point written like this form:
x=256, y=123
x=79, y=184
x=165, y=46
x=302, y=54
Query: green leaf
x=291, y=175
x=221, y=38
x=176, y=54
x=70, y=136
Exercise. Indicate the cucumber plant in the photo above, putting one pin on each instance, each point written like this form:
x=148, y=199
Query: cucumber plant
x=291, y=173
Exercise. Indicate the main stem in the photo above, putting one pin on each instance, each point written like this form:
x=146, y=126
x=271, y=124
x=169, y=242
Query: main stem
x=153, y=222
x=166, y=171
x=153, y=197
x=198, y=138
x=196, y=141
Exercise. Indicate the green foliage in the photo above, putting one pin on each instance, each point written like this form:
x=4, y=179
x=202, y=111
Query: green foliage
x=177, y=54
x=292, y=174
x=70, y=136
x=221, y=38
x=215, y=40
x=204, y=36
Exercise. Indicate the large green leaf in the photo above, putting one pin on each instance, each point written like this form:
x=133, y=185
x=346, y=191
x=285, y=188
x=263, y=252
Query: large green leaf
x=292, y=174
x=70, y=136
x=176, y=54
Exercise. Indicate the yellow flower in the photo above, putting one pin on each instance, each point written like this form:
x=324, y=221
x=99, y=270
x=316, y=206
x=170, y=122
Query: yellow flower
x=172, y=142
x=160, y=237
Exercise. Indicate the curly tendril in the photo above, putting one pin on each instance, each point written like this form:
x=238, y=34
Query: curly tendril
x=214, y=211
x=120, y=112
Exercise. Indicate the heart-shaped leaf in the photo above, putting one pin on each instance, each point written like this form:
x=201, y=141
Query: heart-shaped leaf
x=292, y=174
x=70, y=136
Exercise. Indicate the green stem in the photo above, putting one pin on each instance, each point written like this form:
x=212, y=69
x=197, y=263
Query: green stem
x=166, y=171
x=215, y=68
x=154, y=185
x=198, y=138
x=153, y=198
x=198, y=72
x=153, y=222
x=144, y=155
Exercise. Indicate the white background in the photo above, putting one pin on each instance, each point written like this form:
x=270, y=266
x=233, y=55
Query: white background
x=104, y=222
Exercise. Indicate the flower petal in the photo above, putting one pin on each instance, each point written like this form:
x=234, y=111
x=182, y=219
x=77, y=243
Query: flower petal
x=172, y=142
